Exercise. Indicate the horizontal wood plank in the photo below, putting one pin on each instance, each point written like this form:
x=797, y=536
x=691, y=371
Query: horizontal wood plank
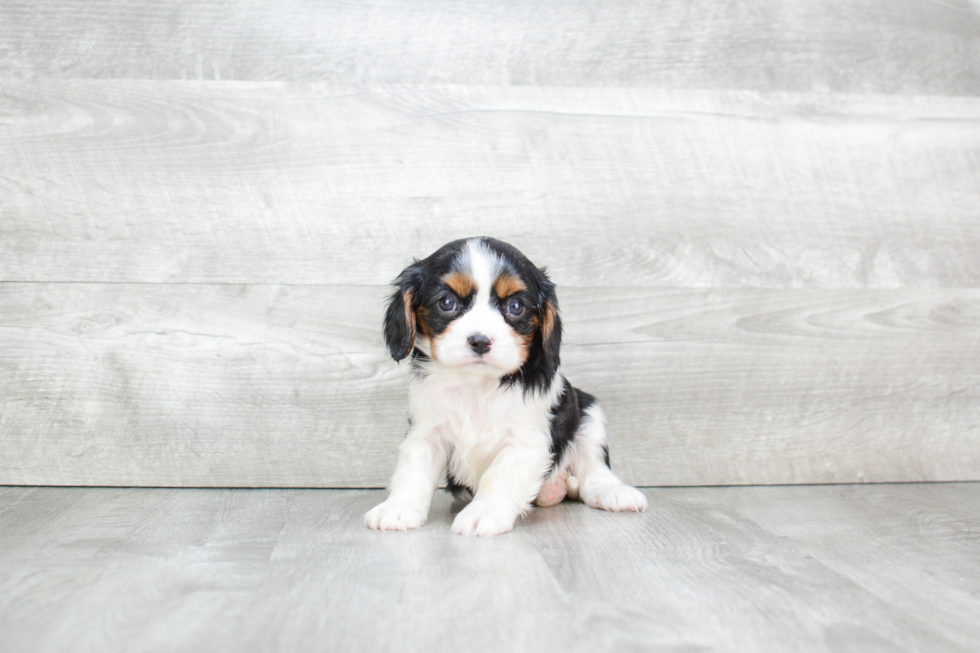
x=812, y=569
x=888, y=46
x=800, y=386
x=222, y=385
x=127, y=181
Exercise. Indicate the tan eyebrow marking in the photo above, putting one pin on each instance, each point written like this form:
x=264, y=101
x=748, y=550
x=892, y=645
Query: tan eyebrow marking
x=461, y=283
x=507, y=284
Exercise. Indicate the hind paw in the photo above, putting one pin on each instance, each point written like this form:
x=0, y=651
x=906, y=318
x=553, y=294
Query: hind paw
x=616, y=497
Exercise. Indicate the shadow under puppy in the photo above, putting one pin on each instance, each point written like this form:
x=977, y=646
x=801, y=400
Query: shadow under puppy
x=487, y=399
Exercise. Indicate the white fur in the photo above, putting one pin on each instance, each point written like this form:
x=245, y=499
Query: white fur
x=494, y=439
x=499, y=441
x=452, y=347
x=597, y=485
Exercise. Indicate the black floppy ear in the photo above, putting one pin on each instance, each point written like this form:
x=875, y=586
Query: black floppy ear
x=550, y=322
x=399, y=324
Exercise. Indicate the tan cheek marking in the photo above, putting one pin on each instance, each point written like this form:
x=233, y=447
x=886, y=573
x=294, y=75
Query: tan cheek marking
x=421, y=315
x=434, y=345
x=506, y=285
x=461, y=283
x=524, y=341
x=523, y=345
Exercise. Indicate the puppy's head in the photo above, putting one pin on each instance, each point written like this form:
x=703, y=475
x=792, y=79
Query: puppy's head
x=476, y=304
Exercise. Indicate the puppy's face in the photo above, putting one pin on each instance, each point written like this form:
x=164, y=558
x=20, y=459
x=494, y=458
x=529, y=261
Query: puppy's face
x=476, y=304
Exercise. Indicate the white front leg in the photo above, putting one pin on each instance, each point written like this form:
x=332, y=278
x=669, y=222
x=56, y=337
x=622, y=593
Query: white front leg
x=506, y=489
x=421, y=459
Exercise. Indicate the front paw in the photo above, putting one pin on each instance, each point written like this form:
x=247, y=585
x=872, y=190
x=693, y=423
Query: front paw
x=394, y=515
x=484, y=518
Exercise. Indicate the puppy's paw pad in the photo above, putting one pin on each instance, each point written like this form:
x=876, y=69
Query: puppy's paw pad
x=617, y=498
x=394, y=516
x=484, y=518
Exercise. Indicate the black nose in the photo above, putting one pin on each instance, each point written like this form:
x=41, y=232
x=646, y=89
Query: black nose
x=479, y=344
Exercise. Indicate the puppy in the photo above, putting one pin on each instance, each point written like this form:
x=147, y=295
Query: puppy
x=488, y=400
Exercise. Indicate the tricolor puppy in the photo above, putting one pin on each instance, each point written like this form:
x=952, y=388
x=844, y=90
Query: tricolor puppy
x=488, y=400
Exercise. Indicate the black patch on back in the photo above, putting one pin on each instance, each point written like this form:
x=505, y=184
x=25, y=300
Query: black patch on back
x=566, y=418
x=585, y=400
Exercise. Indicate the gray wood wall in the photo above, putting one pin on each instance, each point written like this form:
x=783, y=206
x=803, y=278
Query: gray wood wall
x=763, y=217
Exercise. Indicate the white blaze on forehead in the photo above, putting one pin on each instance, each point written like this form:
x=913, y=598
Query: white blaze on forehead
x=484, y=265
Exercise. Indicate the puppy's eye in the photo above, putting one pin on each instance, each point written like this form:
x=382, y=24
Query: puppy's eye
x=447, y=304
x=515, y=308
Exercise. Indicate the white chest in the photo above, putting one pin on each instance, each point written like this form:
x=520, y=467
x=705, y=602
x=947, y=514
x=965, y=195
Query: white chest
x=474, y=413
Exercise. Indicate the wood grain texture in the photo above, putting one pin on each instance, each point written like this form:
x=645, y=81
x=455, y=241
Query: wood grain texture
x=270, y=183
x=729, y=569
x=215, y=385
x=763, y=218
x=800, y=386
x=198, y=385
x=890, y=46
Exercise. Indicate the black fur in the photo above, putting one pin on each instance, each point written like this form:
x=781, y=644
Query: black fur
x=457, y=489
x=398, y=333
x=567, y=417
x=418, y=363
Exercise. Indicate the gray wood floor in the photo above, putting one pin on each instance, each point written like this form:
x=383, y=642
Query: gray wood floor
x=805, y=568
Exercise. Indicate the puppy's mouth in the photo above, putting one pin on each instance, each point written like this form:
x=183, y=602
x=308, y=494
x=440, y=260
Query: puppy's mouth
x=483, y=363
x=482, y=360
